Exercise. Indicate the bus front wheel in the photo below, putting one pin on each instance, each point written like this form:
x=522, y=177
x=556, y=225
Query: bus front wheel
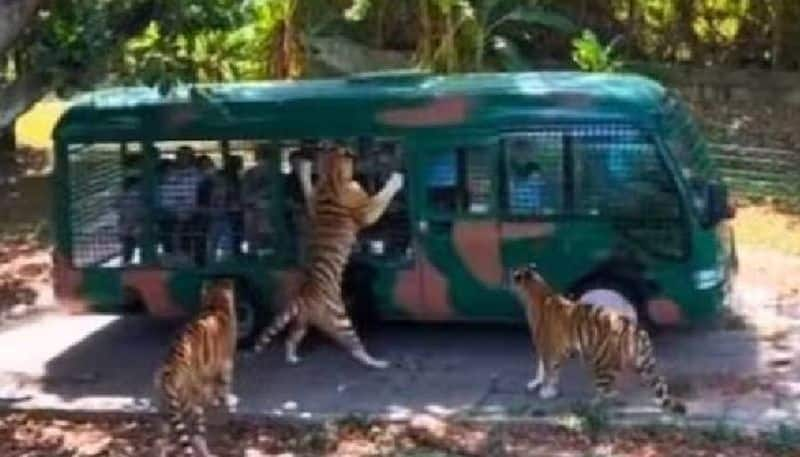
x=615, y=296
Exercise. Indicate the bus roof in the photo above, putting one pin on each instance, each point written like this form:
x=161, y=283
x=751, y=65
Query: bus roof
x=382, y=103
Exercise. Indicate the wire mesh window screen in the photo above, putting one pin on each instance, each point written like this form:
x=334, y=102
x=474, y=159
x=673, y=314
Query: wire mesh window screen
x=478, y=165
x=214, y=204
x=534, y=173
x=441, y=182
x=390, y=236
x=97, y=202
x=619, y=173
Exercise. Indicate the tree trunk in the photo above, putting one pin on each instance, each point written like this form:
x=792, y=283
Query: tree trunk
x=15, y=15
x=8, y=140
x=777, y=33
x=20, y=95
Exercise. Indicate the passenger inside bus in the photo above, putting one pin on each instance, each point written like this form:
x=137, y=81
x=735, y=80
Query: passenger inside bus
x=178, y=204
x=256, y=202
x=131, y=214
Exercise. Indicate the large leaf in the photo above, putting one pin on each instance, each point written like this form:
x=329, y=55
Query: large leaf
x=509, y=54
x=538, y=16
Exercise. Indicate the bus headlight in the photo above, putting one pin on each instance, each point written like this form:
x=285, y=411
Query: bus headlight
x=708, y=278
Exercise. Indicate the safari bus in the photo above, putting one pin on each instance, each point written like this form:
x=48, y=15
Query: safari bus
x=603, y=180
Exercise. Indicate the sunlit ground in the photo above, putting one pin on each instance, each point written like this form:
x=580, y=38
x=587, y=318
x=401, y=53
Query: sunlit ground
x=762, y=226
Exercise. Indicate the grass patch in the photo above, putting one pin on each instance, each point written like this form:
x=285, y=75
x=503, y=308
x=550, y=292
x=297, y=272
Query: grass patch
x=785, y=440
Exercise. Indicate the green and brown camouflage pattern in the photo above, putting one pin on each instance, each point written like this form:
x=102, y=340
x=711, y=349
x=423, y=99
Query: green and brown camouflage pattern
x=459, y=272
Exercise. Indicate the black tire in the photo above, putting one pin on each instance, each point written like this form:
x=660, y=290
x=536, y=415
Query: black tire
x=251, y=313
x=634, y=295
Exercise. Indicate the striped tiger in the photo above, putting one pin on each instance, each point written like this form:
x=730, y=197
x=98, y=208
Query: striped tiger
x=608, y=341
x=198, y=370
x=338, y=209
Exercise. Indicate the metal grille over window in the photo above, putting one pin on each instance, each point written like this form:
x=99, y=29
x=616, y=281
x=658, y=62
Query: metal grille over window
x=390, y=236
x=618, y=173
x=478, y=179
x=442, y=182
x=534, y=173
x=104, y=204
x=214, y=202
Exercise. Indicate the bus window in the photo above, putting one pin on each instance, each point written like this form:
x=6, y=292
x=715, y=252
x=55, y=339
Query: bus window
x=478, y=166
x=619, y=175
x=441, y=183
x=460, y=181
x=390, y=236
x=533, y=173
x=106, y=206
x=213, y=201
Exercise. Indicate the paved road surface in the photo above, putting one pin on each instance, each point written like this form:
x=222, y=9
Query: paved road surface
x=106, y=363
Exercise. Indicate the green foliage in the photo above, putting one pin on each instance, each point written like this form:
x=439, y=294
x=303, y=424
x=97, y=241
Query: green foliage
x=785, y=440
x=358, y=10
x=590, y=55
x=594, y=417
x=205, y=41
x=722, y=432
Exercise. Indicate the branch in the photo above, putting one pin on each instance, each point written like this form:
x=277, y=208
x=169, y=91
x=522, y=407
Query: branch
x=15, y=15
x=20, y=95
x=28, y=88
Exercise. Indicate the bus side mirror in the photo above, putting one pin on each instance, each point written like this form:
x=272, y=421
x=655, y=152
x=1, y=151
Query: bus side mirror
x=718, y=204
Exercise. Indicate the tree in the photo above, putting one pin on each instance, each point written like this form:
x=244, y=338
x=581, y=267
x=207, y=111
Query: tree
x=73, y=44
x=15, y=15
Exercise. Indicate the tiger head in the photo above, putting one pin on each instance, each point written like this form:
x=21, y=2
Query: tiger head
x=529, y=284
x=219, y=293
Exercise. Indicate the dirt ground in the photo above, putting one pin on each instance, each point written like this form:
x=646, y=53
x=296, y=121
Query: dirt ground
x=43, y=436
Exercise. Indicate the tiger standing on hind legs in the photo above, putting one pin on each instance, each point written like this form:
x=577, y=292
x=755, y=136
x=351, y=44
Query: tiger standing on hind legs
x=198, y=370
x=338, y=208
x=606, y=340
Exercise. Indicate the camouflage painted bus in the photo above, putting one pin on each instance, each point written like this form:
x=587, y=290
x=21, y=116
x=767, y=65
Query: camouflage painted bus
x=603, y=180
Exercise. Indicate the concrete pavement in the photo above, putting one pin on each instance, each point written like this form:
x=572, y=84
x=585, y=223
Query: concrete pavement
x=105, y=363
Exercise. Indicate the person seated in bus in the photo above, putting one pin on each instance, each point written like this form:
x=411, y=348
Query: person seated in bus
x=131, y=214
x=226, y=227
x=178, y=200
x=525, y=187
x=256, y=199
x=203, y=215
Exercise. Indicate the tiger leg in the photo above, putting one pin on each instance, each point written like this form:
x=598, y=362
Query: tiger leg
x=340, y=328
x=223, y=384
x=178, y=426
x=377, y=204
x=199, y=437
x=604, y=379
x=536, y=382
x=280, y=322
x=297, y=332
x=549, y=387
x=645, y=366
